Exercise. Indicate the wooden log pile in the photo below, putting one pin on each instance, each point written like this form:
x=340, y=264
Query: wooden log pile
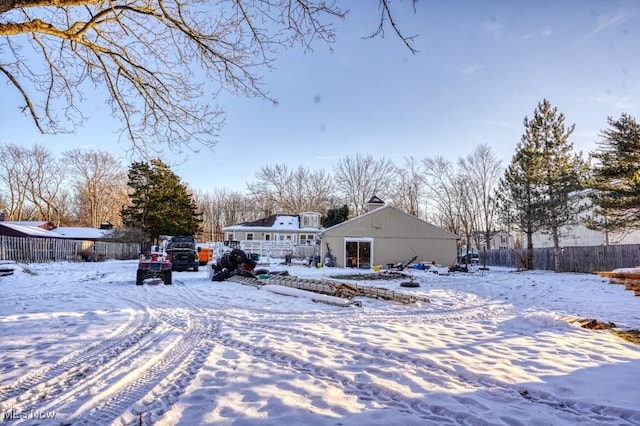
x=629, y=277
x=333, y=288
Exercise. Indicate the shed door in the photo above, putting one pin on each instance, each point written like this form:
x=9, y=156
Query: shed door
x=358, y=253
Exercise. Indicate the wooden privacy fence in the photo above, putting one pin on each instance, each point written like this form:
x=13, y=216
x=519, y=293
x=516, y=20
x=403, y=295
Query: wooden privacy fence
x=573, y=259
x=37, y=250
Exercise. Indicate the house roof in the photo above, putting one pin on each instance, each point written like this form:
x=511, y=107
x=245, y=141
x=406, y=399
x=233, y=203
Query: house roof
x=375, y=200
x=39, y=229
x=26, y=229
x=275, y=222
x=399, y=213
x=79, y=233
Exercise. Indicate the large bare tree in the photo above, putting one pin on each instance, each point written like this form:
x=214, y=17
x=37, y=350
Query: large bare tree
x=223, y=207
x=13, y=167
x=161, y=63
x=291, y=191
x=409, y=196
x=442, y=195
x=33, y=180
x=99, y=181
x=360, y=177
x=483, y=170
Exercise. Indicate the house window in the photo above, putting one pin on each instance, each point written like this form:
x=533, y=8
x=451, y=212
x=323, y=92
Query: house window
x=267, y=237
x=249, y=236
x=310, y=220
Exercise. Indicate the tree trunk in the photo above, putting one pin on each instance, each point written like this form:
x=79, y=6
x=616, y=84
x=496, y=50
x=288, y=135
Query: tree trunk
x=528, y=262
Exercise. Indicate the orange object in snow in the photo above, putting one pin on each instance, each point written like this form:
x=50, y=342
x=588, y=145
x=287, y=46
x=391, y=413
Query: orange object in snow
x=205, y=255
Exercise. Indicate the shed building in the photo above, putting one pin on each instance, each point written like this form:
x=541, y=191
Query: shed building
x=386, y=235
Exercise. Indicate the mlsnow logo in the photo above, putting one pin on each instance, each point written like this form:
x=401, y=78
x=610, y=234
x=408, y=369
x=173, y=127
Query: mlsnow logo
x=13, y=414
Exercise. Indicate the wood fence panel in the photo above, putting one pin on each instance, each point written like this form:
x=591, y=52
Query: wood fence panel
x=573, y=259
x=40, y=250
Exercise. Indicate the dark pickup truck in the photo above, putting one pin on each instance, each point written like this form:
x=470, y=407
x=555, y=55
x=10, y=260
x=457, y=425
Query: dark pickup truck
x=181, y=251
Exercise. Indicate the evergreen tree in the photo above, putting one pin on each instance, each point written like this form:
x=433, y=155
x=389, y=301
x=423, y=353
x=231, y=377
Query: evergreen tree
x=544, y=178
x=616, y=177
x=336, y=216
x=160, y=203
x=518, y=200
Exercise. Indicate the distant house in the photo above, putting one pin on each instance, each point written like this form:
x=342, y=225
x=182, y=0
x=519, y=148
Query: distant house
x=497, y=240
x=579, y=235
x=386, y=235
x=276, y=234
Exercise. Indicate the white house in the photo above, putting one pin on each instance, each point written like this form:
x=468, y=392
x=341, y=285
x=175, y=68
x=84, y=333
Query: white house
x=276, y=235
x=580, y=236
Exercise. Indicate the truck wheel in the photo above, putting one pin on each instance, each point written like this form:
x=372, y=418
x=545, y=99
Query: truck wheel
x=226, y=263
x=139, y=277
x=236, y=255
x=167, y=277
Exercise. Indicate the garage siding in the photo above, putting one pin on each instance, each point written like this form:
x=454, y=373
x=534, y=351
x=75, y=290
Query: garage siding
x=397, y=236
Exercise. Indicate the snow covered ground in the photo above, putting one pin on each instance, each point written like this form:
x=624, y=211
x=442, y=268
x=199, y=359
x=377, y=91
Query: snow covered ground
x=82, y=343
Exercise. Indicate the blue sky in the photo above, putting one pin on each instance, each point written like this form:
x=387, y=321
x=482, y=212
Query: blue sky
x=482, y=66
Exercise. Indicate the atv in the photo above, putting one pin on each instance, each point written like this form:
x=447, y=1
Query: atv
x=154, y=266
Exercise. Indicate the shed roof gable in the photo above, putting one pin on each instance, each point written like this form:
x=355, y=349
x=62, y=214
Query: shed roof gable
x=393, y=213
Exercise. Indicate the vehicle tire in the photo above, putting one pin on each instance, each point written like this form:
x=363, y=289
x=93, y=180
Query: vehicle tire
x=225, y=263
x=167, y=277
x=411, y=284
x=261, y=271
x=139, y=277
x=236, y=255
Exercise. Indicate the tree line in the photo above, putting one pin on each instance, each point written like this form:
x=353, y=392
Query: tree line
x=542, y=189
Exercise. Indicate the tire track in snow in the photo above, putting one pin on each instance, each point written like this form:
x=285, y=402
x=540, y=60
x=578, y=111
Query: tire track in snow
x=161, y=380
x=97, y=369
x=49, y=381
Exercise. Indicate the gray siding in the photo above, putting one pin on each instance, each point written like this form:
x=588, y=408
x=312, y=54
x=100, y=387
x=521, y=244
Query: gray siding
x=397, y=237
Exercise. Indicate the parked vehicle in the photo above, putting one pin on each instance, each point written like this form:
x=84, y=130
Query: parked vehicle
x=469, y=258
x=153, y=266
x=181, y=252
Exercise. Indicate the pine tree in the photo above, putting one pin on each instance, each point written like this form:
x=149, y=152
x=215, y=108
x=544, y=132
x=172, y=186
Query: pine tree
x=160, y=203
x=518, y=198
x=544, y=178
x=335, y=216
x=616, y=177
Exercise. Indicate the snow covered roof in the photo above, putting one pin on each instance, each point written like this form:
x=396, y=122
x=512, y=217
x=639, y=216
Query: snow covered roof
x=35, y=229
x=275, y=222
x=27, y=229
x=78, y=233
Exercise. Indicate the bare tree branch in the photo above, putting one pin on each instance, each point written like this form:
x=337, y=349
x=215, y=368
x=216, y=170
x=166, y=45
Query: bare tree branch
x=162, y=62
x=387, y=15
